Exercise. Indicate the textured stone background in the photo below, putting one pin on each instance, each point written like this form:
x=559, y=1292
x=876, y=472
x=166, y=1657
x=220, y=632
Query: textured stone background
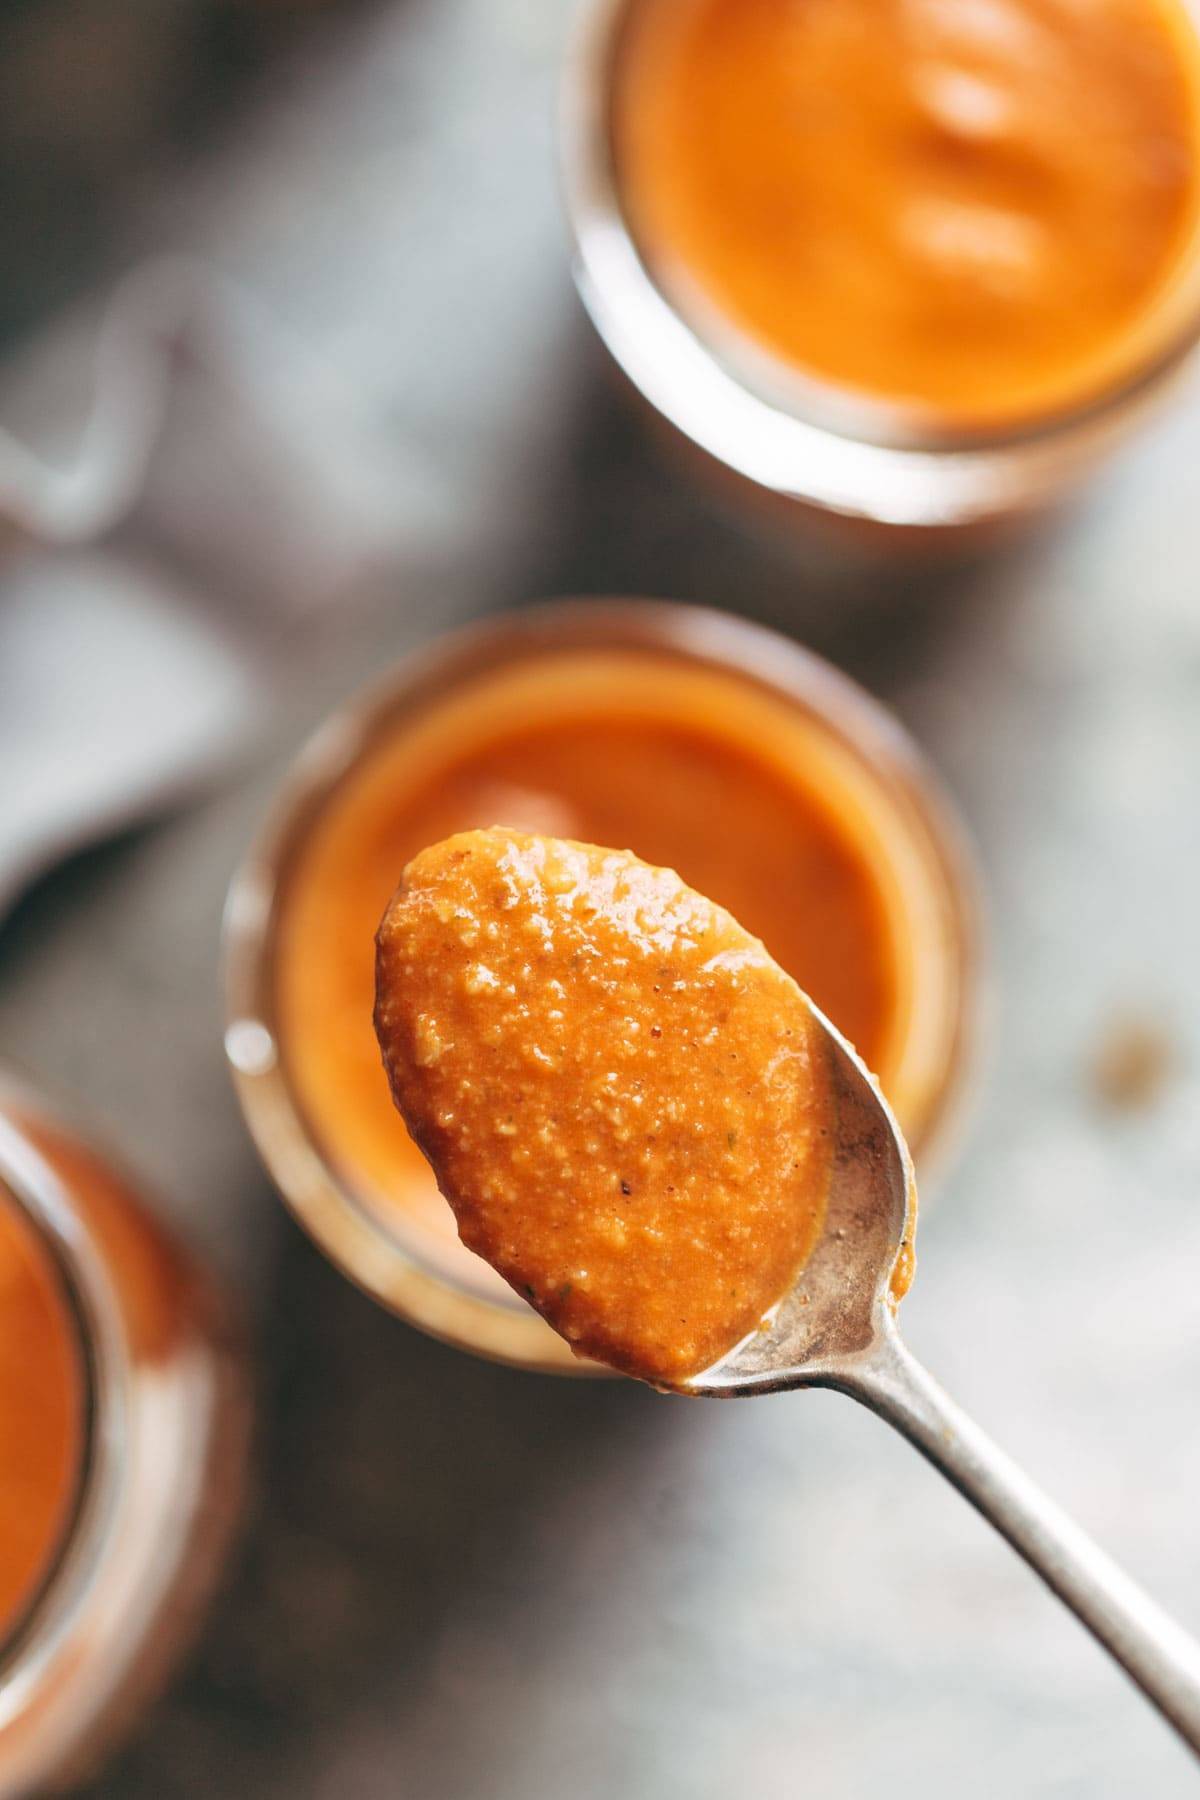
x=463, y=1582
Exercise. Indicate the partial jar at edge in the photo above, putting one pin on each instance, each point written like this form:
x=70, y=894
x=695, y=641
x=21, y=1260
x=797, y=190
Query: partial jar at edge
x=784, y=444
x=124, y=1422
x=691, y=736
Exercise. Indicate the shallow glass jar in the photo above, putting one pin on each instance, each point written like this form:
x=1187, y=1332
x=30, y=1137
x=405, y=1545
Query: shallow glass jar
x=550, y=662
x=793, y=447
x=124, y=1439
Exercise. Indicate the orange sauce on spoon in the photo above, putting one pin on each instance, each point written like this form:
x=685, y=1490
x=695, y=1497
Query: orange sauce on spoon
x=625, y=1100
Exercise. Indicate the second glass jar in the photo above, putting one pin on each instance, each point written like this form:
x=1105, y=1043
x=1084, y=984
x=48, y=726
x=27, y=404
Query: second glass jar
x=691, y=737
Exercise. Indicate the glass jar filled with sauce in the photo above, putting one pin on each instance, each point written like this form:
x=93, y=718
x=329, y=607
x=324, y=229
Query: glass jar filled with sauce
x=768, y=780
x=915, y=263
x=122, y=1442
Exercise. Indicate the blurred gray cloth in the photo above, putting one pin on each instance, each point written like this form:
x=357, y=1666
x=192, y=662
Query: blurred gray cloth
x=201, y=491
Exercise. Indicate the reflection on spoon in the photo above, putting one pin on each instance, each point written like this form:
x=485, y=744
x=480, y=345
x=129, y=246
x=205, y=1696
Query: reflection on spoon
x=642, y=1123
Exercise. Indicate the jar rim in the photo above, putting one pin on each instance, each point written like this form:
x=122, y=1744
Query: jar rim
x=169, y=1414
x=351, y=1234
x=34, y=1186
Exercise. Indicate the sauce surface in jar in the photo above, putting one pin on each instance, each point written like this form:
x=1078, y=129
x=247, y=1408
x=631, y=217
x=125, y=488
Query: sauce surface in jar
x=753, y=802
x=626, y=1102
x=41, y=1412
x=979, y=212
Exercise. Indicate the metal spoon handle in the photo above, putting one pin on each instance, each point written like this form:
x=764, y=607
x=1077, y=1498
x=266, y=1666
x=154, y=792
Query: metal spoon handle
x=1161, y=1657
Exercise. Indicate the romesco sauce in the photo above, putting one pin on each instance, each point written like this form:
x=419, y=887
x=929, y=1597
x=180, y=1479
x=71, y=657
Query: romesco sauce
x=689, y=768
x=625, y=1101
x=983, y=212
x=158, y=1294
x=41, y=1412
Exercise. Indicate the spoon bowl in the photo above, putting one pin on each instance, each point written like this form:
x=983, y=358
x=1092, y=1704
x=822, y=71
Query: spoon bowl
x=843, y=1302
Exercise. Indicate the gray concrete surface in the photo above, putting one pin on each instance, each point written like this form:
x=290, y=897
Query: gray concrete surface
x=460, y=1583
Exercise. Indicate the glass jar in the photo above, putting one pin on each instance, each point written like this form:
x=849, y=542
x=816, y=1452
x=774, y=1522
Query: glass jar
x=123, y=1433
x=792, y=447
x=548, y=665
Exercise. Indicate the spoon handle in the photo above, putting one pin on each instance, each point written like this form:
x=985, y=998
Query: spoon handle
x=1160, y=1656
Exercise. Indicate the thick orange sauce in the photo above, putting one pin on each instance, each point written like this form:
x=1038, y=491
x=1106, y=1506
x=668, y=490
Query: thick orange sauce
x=157, y=1294
x=625, y=1101
x=689, y=768
x=41, y=1412
x=983, y=210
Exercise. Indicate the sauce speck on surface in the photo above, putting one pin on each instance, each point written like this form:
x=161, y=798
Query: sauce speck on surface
x=624, y=1099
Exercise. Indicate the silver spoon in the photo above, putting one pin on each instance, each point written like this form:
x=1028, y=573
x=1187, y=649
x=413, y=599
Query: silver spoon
x=837, y=1329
